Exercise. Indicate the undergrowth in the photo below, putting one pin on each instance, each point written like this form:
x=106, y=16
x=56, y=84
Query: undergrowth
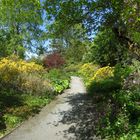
x=116, y=90
x=26, y=87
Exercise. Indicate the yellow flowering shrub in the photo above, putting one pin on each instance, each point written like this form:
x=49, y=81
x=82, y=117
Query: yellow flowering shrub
x=103, y=73
x=102, y=81
x=23, y=76
x=87, y=70
x=10, y=68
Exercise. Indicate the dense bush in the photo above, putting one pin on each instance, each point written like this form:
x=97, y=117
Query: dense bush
x=23, y=76
x=121, y=119
x=103, y=73
x=87, y=71
x=106, y=49
x=103, y=83
x=133, y=80
x=34, y=84
x=118, y=89
x=73, y=69
x=53, y=60
x=108, y=79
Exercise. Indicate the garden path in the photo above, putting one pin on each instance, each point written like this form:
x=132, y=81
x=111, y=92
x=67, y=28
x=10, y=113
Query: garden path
x=70, y=117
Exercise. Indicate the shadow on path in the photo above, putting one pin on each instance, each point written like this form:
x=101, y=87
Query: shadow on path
x=82, y=117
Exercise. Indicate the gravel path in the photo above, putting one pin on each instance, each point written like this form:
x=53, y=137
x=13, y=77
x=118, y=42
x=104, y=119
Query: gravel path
x=69, y=117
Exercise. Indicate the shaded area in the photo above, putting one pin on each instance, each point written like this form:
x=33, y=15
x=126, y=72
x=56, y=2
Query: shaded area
x=83, y=117
x=6, y=101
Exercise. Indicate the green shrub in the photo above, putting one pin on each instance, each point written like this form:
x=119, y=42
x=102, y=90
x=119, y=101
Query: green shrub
x=12, y=120
x=60, y=85
x=132, y=82
x=22, y=76
x=59, y=79
x=103, y=87
x=121, y=73
x=122, y=115
x=73, y=69
x=103, y=81
x=25, y=88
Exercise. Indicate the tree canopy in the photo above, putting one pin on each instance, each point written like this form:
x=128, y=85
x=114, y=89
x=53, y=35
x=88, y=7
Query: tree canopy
x=121, y=16
x=20, y=25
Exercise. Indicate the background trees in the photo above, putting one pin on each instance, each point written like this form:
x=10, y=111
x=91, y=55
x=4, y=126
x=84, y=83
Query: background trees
x=121, y=17
x=19, y=25
x=71, y=43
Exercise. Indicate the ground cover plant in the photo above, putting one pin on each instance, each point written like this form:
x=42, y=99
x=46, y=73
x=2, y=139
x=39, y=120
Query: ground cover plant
x=59, y=79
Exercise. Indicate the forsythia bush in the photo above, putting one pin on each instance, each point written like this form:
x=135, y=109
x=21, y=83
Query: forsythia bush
x=10, y=68
x=23, y=76
x=102, y=80
x=103, y=73
x=88, y=70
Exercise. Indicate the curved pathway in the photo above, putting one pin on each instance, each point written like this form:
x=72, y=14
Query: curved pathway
x=70, y=117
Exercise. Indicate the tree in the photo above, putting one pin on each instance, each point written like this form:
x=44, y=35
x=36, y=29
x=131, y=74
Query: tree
x=71, y=43
x=19, y=25
x=106, y=49
x=99, y=14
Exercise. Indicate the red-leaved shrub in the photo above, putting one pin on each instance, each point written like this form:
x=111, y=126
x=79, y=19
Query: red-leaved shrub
x=53, y=60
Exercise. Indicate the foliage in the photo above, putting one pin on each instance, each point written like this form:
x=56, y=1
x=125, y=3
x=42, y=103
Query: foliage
x=106, y=49
x=11, y=120
x=25, y=88
x=73, y=69
x=59, y=82
x=132, y=82
x=18, y=30
x=102, y=87
x=76, y=43
x=23, y=76
x=103, y=82
x=121, y=115
x=88, y=70
x=53, y=60
x=103, y=73
x=60, y=85
x=71, y=44
x=115, y=28
x=18, y=78
x=135, y=66
x=15, y=108
x=34, y=84
x=19, y=65
x=120, y=17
